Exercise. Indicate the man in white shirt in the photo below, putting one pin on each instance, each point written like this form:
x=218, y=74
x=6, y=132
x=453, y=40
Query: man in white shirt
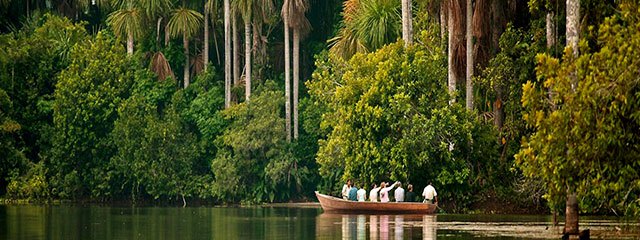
x=398, y=194
x=362, y=194
x=373, y=194
x=430, y=194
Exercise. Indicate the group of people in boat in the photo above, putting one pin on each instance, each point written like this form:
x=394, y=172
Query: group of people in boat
x=382, y=193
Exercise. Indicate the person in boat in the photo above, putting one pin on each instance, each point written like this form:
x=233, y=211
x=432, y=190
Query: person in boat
x=430, y=195
x=362, y=194
x=398, y=194
x=410, y=196
x=353, y=193
x=345, y=190
x=373, y=194
x=384, y=191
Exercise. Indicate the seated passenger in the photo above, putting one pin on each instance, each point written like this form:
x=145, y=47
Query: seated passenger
x=362, y=194
x=373, y=195
x=353, y=194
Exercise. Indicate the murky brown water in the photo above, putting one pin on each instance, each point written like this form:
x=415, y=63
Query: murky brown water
x=76, y=222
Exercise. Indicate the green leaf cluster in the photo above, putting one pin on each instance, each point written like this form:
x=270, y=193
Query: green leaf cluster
x=585, y=115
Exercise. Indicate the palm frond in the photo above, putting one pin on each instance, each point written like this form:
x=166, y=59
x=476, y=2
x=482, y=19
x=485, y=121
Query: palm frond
x=184, y=22
x=378, y=22
x=126, y=21
x=160, y=66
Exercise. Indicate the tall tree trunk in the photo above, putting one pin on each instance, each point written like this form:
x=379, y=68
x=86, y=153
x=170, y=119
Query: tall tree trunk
x=407, y=24
x=443, y=23
x=227, y=55
x=573, y=36
x=469, y=93
x=498, y=19
x=130, y=43
x=287, y=80
x=205, y=54
x=296, y=79
x=247, y=59
x=215, y=43
x=571, y=214
x=236, y=50
x=185, y=41
x=158, y=23
x=551, y=29
x=451, y=71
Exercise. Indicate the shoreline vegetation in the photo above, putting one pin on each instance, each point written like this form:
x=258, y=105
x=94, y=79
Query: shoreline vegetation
x=529, y=107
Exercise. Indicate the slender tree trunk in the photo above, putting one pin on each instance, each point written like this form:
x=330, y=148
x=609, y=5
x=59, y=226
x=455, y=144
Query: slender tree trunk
x=185, y=41
x=247, y=59
x=469, y=93
x=130, y=43
x=227, y=55
x=550, y=27
x=205, y=54
x=451, y=71
x=407, y=24
x=443, y=23
x=287, y=80
x=571, y=222
x=236, y=51
x=296, y=79
x=215, y=42
x=573, y=36
x=498, y=16
x=158, y=23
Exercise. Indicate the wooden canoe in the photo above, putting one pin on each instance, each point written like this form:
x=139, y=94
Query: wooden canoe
x=334, y=204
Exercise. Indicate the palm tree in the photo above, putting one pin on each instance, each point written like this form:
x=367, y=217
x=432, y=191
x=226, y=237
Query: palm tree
x=573, y=36
x=369, y=25
x=407, y=25
x=287, y=64
x=245, y=8
x=185, y=22
x=227, y=54
x=469, y=93
x=127, y=21
x=293, y=14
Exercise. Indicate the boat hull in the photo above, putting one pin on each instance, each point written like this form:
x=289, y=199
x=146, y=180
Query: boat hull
x=333, y=204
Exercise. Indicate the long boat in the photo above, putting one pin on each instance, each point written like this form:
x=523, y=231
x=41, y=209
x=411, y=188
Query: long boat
x=334, y=204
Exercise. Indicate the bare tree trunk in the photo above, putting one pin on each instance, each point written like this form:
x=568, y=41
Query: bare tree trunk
x=443, y=22
x=551, y=27
x=158, y=23
x=571, y=214
x=498, y=13
x=236, y=51
x=215, y=43
x=130, y=43
x=573, y=36
x=469, y=93
x=205, y=54
x=407, y=24
x=451, y=71
x=296, y=79
x=287, y=80
x=227, y=55
x=247, y=59
x=185, y=41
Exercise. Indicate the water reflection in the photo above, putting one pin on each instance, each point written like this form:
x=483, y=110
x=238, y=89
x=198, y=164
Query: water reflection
x=377, y=227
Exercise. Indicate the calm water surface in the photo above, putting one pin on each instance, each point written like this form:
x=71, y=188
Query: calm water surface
x=93, y=222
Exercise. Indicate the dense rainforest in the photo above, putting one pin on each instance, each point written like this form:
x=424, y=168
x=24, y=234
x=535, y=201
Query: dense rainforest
x=532, y=105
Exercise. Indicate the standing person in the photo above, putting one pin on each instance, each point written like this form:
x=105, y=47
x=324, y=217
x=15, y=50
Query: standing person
x=398, y=194
x=410, y=196
x=353, y=193
x=373, y=195
x=430, y=194
x=345, y=190
x=384, y=191
x=362, y=194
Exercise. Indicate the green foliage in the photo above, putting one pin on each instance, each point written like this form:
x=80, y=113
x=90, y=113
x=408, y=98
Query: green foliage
x=253, y=162
x=87, y=97
x=586, y=138
x=388, y=117
x=31, y=186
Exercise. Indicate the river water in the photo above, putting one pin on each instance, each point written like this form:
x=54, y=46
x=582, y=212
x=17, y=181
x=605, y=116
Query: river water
x=99, y=222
